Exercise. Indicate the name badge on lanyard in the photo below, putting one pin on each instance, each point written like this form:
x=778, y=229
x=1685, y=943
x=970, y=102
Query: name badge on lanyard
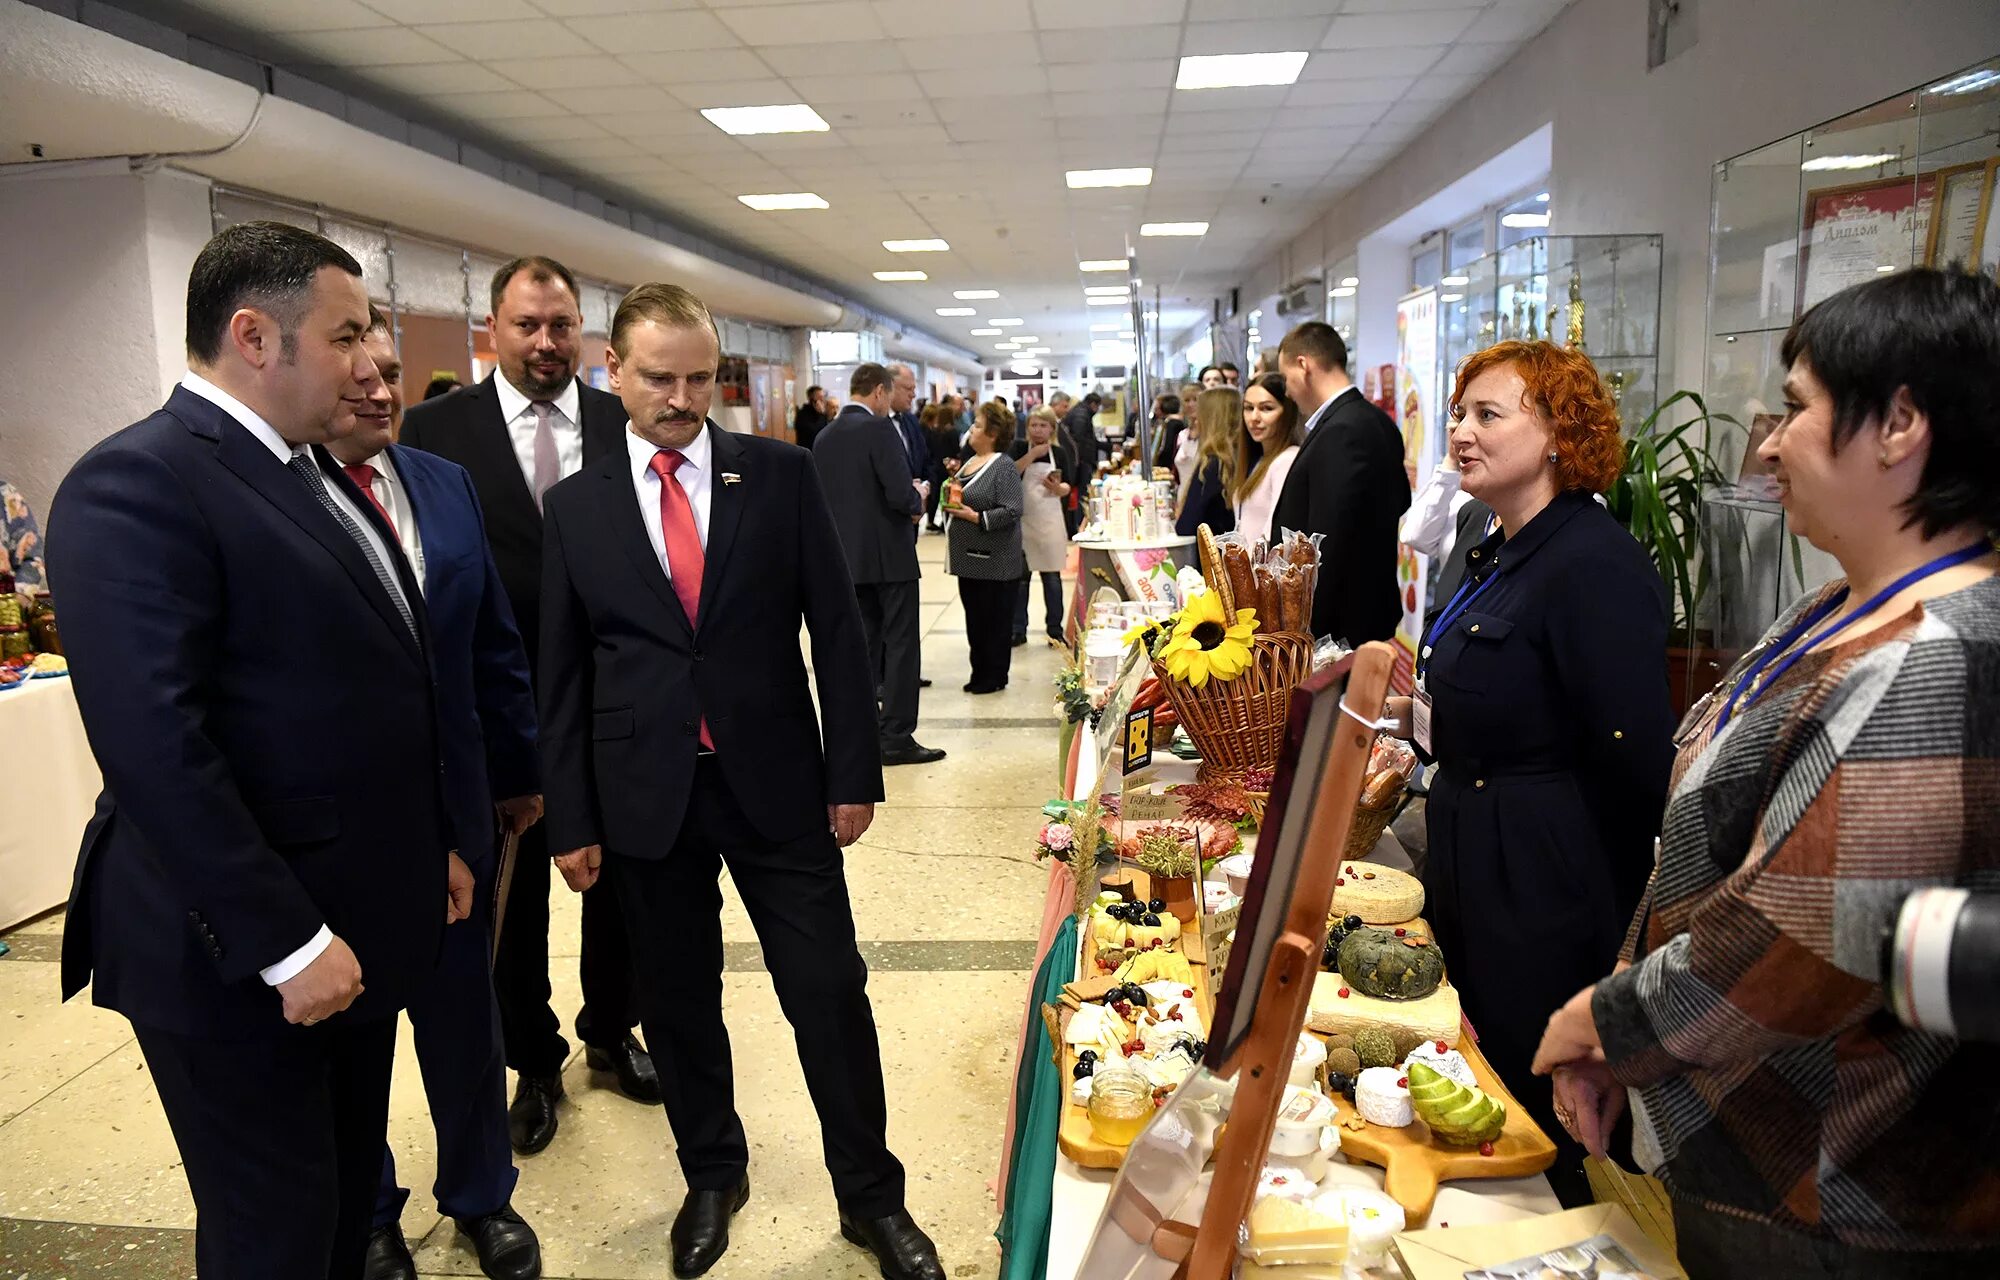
x=1420, y=719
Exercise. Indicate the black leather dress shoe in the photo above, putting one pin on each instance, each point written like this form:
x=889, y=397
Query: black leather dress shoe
x=923, y=683
x=913, y=753
x=531, y=1120
x=637, y=1079
x=701, y=1229
x=388, y=1256
x=898, y=1243
x=507, y=1246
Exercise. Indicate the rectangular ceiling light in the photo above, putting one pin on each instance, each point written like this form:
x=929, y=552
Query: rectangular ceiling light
x=1821, y=164
x=1524, y=220
x=795, y=118
x=915, y=246
x=784, y=200
x=1105, y=264
x=1105, y=302
x=987, y=333
x=1344, y=291
x=1108, y=291
x=1113, y=327
x=1239, y=70
x=1109, y=177
x=968, y=295
x=957, y=311
x=901, y=275
x=1349, y=282
x=1173, y=229
x=1453, y=282
x=1007, y=322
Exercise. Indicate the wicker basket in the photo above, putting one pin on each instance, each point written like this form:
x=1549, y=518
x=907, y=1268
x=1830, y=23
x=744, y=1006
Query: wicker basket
x=1369, y=824
x=1239, y=725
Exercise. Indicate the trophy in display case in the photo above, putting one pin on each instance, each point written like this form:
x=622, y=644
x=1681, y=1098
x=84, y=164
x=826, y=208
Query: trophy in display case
x=1573, y=339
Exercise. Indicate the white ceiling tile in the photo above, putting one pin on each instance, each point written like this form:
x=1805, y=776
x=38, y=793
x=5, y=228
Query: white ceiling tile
x=595, y=72
x=1204, y=101
x=1113, y=104
x=1062, y=47
x=1275, y=36
x=952, y=110
x=513, y=104
x=596, y=8
x=975, y=80
x=1231, y=10
x=817, y=91
x=1411, y=113
x=481, y=41
x=839, y=22
x=791, y=60
x=1058, y=15
x=674, y=32
x=741, y=93
x=1000, y=129
x=1130, y=128
x=360, y=50
x=1397, y=30
x=1187, y=145
x=812, y=143
x=878, y=115
x=963, y=18
x=1403, y=6
x=1319, y=141
x=613, y=99
x=1473, y=61
x=1150, y=73
x=596, y=149
x=426, y=78
x=1446, y=89
x=1216, y=122
x=713, y=64
x=922, y=135
x=1347, y=64
x=1001, y=48
x=678, y=122
x=411, y=12
x=1320, y=93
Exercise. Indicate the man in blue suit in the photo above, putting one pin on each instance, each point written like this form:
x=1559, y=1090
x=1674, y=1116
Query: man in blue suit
x=487, y=710
x=253, y=662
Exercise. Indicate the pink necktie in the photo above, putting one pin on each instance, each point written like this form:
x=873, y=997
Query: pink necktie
x=548, y=462
x=363, y=477
x=684, y=554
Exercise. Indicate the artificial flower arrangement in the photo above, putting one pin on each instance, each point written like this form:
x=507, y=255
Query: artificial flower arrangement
x=1201, y=642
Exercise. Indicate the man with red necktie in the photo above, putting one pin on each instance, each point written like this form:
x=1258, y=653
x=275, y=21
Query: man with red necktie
x=678, y=736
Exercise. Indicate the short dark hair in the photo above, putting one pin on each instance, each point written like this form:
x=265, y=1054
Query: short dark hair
x=1204, y=371
x=378, y=321
x=1229, y=366
x=1318, y=342
x=867, y=378
x=540, y=269
x=1093, y=400
x=1936, y=334
x=814, y=390
x=266, y=265
x=1170, y=404
x=443, y=384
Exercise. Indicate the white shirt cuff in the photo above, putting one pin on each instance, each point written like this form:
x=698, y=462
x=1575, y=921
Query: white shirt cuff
x=292, y=965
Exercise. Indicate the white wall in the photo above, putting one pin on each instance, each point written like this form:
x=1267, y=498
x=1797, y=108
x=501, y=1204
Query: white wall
x=1632, y=149
x=96, y=260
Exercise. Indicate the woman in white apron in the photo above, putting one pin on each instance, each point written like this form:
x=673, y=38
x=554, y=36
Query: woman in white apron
x=1042, y=461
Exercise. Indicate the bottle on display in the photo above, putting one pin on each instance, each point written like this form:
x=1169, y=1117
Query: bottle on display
x=42, y=633
x=13, y=627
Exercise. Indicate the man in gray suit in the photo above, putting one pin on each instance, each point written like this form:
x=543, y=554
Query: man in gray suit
x=865, y=471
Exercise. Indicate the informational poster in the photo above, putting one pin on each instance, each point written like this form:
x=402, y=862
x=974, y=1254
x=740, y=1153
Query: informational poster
x=1420, y=415
x=1856, y=232
x=1961, y=213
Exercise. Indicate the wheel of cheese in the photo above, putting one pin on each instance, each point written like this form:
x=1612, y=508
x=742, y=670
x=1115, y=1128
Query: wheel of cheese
x=1408, y=1022
x=1378, y=894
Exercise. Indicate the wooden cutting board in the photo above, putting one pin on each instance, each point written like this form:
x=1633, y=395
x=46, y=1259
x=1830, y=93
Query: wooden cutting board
x=1414, y=1163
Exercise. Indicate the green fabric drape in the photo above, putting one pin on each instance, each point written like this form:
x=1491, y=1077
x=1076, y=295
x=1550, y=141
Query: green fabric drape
x=1039, y=1093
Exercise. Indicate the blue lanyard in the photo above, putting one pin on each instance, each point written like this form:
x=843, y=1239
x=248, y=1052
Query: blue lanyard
x=1461, y=600
x=1784, y=646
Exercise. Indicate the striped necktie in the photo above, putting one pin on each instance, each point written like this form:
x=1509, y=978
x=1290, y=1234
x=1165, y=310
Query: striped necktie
x=303, y=466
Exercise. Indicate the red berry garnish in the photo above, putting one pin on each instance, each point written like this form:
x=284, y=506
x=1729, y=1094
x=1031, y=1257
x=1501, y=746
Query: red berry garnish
x=1343, y=993
x=1443, y=1047
x=1401, y=932
x=1485, y=1148
x=1338, y=883
x=1187, y=993
x=1402, y=1082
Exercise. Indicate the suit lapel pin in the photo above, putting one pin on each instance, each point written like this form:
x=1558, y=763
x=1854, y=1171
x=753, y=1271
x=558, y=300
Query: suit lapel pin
x=730, y=477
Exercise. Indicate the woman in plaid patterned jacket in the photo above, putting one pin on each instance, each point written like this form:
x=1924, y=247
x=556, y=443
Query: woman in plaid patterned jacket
x=1851, y=758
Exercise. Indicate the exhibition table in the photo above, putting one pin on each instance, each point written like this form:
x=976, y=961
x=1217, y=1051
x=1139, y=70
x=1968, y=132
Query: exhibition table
x=52, y=786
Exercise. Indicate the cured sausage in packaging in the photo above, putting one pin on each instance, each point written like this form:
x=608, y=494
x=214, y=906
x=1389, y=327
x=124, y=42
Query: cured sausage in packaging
x=1242, y=579
x=1295, y=605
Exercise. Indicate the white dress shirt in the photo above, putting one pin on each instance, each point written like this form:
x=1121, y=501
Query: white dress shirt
x=567, y=423
x=389, y=491
x=1431, y=524
x=1254, y=519
x=284, y=451
x=1349, y=390
x=696, y=478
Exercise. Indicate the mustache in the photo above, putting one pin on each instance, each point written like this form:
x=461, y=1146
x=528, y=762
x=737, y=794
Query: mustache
x=673, y=417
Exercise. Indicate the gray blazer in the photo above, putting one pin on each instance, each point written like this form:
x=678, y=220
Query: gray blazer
x=866, y=476
x=990, y=549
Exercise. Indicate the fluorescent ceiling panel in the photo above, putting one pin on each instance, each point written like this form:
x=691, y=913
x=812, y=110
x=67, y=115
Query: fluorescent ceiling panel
x=900, y=275
x=915, y=246
x=740, y=121
x=1173, y=229
x=1104, y=264
x=785, y=200
x=1237, y=70
x=1081, y=178
x=970, y=295
x=956, y=311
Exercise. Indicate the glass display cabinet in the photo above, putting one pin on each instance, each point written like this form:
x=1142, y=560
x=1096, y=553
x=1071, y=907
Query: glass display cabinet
x=1908, y=181
x=1600, y=293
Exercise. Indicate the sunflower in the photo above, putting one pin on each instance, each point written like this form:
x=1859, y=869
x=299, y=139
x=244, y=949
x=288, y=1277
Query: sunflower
x=1206, y=644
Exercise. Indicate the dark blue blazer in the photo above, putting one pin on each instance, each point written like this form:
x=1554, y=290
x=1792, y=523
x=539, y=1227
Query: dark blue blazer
x=486, y=706
x=916, y=450
x=266, y=724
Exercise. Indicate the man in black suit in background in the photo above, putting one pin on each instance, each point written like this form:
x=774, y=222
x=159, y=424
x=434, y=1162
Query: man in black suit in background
x=518, y=432
x=810, y=419
x=252, y=658
x=1348, y=483
x=1081, y=424
x=678, y=736
x=864, y=469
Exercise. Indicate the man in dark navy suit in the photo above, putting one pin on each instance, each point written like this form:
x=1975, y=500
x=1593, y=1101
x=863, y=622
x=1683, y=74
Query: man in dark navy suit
x=679, y=736
x=488, y=716
x=527, y=425
x=270, y=870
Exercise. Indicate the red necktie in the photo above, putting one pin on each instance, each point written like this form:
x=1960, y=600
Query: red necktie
x=363, y=477
x=684, y=554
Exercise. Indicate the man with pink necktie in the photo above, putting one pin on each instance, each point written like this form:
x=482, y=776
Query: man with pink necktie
x=678, y=736
x=526, y=426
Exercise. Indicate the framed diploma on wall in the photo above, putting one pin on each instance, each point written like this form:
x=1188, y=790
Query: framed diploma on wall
x=1988, y=253
x=1858, y=231
x=1965, y=197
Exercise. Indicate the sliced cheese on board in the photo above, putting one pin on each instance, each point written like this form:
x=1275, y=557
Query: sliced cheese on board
x=1408, y=1022
x=1285, y=1231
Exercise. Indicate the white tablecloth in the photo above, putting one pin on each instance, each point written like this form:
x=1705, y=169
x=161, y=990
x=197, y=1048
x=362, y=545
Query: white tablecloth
x=51, y=785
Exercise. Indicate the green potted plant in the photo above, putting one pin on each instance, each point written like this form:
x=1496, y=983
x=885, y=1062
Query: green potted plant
x=1658, y=497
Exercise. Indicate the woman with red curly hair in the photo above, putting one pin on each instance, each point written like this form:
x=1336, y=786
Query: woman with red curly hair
x=1542, y=696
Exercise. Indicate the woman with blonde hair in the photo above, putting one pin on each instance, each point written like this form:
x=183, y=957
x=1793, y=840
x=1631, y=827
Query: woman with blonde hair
x=1205, y=500
x=1267, y=446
